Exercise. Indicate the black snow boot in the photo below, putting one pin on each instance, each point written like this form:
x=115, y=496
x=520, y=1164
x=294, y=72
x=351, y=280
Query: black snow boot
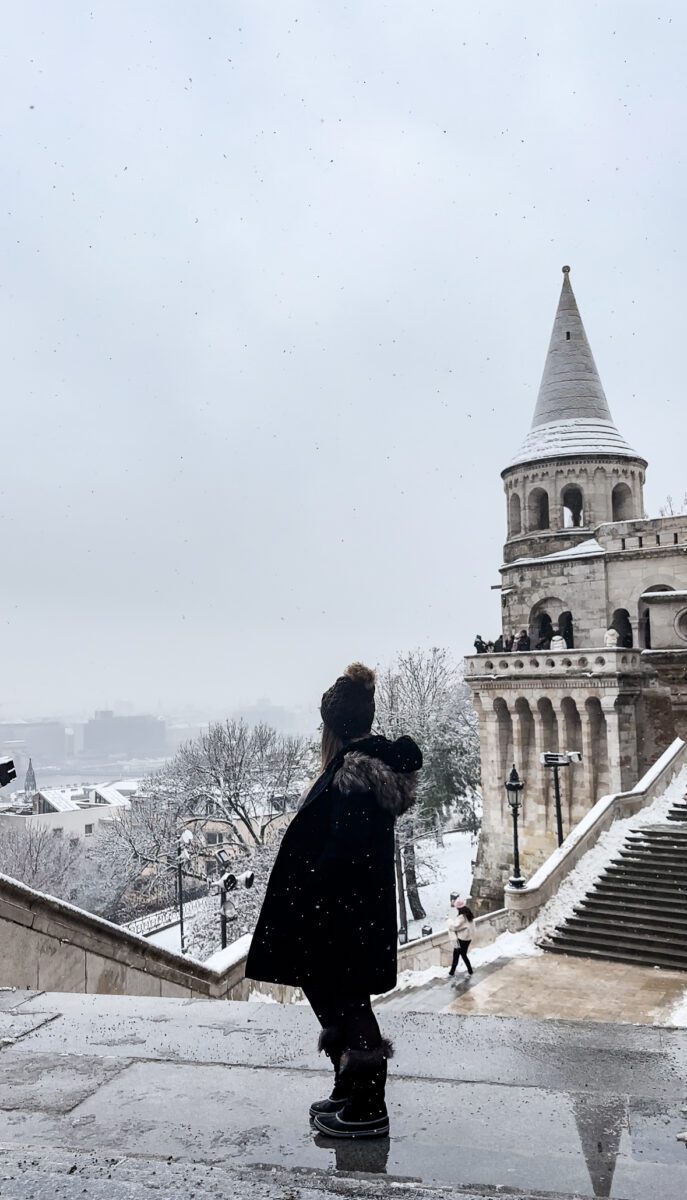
x=364, y=1115
x=331, y=1042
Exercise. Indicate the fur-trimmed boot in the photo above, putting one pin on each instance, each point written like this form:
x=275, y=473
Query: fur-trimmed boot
x=364, y=1115
x=331, y=1042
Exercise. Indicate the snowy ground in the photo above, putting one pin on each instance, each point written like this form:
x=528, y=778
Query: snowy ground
x=168, y=939
x=450, y=871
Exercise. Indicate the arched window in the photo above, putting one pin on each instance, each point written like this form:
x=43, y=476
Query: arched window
x=541, y=622
x=623, y=627
x=622, y=503
x=573, y=506
x=514, y=515
x=538, y=509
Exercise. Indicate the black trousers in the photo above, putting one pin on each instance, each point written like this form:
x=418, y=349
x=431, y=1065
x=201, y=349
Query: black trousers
x=350, y=1013
x=461, y=951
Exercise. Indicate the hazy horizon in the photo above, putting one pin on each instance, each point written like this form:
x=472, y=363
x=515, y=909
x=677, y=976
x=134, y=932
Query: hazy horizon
x=277, y=295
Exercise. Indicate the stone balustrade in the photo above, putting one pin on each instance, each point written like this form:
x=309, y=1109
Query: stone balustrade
x=586, y=661
x=48, y=945
x=524, y=904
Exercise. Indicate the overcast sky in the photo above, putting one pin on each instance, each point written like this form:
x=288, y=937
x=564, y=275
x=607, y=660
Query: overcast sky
x=278, y=282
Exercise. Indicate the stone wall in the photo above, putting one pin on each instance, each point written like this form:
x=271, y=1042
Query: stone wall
x=47, y=945
x=51, y=946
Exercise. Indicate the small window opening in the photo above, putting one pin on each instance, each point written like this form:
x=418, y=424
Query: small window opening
x=622, y=543
x=675, y=539
x=567, y=336
x=658, y=539
x=640, y=542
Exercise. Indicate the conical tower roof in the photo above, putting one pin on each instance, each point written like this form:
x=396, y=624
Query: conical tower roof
x=572, y=416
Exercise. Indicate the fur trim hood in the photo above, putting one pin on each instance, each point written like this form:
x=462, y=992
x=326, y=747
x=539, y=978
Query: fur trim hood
x=388, y=769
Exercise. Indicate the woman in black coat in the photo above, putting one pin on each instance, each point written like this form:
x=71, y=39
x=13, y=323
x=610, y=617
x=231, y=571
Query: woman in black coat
x=328, y=920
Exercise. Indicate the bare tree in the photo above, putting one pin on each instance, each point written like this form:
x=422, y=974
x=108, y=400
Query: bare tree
x=239, y=782
x=673, y=508
x=42, y=859
x=423, y=694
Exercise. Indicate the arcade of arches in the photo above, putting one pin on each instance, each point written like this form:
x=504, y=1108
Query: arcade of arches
x=519, y=728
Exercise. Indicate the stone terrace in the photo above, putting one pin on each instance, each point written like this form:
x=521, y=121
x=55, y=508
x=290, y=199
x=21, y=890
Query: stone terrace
x=116, y=1096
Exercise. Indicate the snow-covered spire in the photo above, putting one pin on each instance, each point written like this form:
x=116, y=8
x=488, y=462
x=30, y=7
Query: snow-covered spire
x=30, y=781
x=572, y=416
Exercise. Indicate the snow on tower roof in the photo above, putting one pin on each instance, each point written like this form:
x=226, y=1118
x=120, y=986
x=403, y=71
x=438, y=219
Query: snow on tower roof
x=572, y=416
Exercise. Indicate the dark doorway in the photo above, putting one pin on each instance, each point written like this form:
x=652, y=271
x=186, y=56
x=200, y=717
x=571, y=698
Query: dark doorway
x=565, y=627
x=543, y=631
x=623, y=627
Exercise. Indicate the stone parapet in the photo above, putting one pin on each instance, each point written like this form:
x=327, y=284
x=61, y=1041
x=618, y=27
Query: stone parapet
x=551, y=664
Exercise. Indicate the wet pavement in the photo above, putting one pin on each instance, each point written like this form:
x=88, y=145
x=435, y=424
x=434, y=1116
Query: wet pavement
x=191, y=1089
x=555, y=986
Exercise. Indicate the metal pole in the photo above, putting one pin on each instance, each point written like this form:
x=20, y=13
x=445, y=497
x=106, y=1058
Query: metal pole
x=403, y=915
x=223, y=917
x=559, y=814
x=516, y=848
x=180, y=886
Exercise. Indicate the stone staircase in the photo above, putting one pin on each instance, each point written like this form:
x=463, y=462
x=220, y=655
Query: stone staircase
x=637, y=909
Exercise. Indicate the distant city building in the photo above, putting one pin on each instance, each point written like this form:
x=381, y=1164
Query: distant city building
x=109, y=736
x=42, y=741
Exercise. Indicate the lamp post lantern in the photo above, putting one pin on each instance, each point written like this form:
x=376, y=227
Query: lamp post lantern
x=514, y=786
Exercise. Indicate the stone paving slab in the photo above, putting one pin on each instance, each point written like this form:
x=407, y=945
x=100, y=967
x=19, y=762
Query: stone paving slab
x=52, y=1083
x=650, y=1061
x=60, y=1176
x=554, y=1107
x=478, y=1134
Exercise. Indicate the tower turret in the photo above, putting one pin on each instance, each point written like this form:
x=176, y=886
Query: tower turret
x=574, y=470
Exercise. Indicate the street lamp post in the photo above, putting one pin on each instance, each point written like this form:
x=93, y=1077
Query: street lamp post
x=553, y=762
x=514, y=787
x=185, y=839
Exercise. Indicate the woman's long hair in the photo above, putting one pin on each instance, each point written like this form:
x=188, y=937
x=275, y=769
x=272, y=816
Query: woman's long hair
x=467, y=912
x=331, y=745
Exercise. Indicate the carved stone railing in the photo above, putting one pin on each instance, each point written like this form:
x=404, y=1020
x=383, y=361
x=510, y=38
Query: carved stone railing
x=593, y=661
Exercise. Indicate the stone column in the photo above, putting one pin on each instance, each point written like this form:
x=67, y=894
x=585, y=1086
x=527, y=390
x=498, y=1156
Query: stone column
x=588, y=750
x=612, y=716
x=629, y=769
x=520, y=756
x=539, y=786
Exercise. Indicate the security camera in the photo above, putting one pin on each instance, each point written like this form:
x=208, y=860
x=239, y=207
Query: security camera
x=230, y=881
x=575, y=756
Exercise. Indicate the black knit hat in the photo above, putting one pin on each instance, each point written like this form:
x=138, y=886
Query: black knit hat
x=348, y=707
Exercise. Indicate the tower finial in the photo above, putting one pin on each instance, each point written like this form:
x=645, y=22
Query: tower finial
x=565, y=270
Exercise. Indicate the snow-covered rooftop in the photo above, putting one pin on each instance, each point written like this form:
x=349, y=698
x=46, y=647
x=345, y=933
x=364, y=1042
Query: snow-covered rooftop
x=574, y=436
x=572, y=416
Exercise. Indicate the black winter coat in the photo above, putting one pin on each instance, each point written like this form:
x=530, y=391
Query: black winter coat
x=329, y=913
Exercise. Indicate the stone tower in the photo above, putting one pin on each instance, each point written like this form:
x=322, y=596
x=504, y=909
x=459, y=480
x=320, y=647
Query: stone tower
x=581, y=557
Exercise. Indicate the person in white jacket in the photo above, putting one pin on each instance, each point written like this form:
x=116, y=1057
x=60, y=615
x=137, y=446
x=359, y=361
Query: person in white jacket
x=461, y=923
